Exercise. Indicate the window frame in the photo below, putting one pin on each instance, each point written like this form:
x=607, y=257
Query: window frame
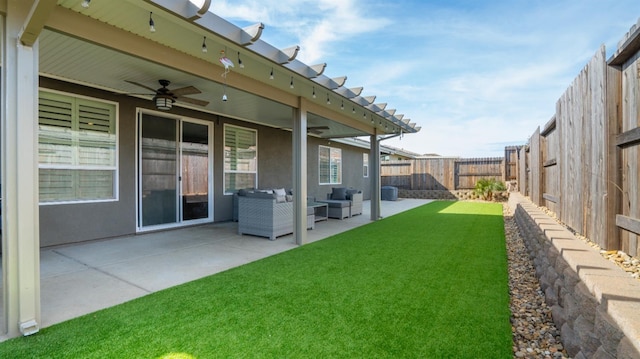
x=224, y=165
x=115, y=168
x=338, y=166
x=365, y=165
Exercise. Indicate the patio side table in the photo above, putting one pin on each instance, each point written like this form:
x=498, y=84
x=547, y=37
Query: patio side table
x=320, y=210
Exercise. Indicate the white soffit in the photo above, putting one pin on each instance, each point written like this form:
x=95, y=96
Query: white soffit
x=181, y=26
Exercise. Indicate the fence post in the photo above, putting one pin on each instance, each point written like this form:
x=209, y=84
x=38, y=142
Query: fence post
x=536, y=167
x=613, y=121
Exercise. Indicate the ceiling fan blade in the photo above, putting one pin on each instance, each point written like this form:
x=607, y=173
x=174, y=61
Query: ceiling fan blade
x=189, y=90
x=193, y=101
x=134, y=93
x=317, y=128
x=141, y=85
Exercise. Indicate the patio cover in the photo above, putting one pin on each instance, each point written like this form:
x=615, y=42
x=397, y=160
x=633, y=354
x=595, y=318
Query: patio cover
x=110, y=43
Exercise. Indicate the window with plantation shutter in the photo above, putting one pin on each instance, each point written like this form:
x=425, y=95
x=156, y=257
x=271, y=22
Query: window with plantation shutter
x=329, y=165
x=77, y=149
x=240, y=158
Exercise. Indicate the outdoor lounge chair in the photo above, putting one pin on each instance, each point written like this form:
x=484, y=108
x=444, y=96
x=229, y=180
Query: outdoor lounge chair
x=267, y=214
x=343, y=202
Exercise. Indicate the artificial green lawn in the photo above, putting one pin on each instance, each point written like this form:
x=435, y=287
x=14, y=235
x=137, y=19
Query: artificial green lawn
x=429, y=283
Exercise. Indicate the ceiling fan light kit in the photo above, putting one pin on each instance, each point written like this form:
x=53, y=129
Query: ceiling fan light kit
x=163, y=102
x=163, y=98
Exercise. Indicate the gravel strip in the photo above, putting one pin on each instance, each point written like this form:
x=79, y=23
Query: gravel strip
x=534, y=333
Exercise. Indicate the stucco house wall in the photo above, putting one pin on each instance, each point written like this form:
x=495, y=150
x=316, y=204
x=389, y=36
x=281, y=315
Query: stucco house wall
x=76, y=222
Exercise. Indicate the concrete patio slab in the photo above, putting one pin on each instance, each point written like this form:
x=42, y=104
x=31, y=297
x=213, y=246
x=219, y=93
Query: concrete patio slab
x=82, y=278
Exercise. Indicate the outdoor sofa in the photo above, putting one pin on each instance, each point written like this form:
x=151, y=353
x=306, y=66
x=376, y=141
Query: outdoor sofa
x=343, y=202
x=267, y=213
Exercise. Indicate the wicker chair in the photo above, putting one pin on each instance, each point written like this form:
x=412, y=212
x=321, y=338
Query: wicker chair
x=350, y=206
x=356, y=204
x=265, y=216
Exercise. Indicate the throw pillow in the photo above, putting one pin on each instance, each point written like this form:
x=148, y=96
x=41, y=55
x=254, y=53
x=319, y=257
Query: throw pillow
x=280, y=192
x=339, y=193
x=242, y=192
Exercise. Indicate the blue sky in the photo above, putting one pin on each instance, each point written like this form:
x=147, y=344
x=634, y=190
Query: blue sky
x=476, y=75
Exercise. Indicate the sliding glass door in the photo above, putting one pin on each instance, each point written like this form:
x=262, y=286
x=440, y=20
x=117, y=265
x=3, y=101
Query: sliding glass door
x=173, y=171
x=195, y=171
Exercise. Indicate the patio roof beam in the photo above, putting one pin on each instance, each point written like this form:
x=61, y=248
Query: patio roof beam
x=340, y=80
x=185, y=8
x=284, y=57
x=273, y=54
x=251, y=34
x=319, y=69
x=325, y=112
x=210, y=21
x=330, y=83
x=289, y=53
x=360, y=101
x=381, y=106
x=35, y=21
x=305, y=70
x=349, y=93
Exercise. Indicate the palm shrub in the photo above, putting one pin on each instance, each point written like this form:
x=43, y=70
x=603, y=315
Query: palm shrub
x=486, y=188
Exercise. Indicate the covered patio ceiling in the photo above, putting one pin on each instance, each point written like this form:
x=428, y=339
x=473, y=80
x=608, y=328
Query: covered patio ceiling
x=109, y=45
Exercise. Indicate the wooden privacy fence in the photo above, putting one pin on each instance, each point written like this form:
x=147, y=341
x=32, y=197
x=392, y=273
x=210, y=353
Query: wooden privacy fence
x=584, y=164
x=441, y=174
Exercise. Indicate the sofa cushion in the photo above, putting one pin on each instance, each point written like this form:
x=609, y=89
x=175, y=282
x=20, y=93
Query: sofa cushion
x=339, y=193
x=260, y=195
x=336, y=203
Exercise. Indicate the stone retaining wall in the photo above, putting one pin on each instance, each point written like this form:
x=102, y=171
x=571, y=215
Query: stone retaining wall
x=595, y=304
x=462, y=195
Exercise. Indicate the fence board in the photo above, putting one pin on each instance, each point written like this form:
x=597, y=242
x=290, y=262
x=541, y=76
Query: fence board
x=613, y=98
x=551, y=169
x=575, y=163
x=598, y=129
x=630, y=155
x=440, y=173
x=535, y=166
x=523, y=170
x=469, y=171
x=397, y=174
x=569, y=120
x=511, y=163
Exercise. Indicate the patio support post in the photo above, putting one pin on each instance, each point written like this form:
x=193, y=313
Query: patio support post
x=300, y=173
x=20, y=219
x=374, y=167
